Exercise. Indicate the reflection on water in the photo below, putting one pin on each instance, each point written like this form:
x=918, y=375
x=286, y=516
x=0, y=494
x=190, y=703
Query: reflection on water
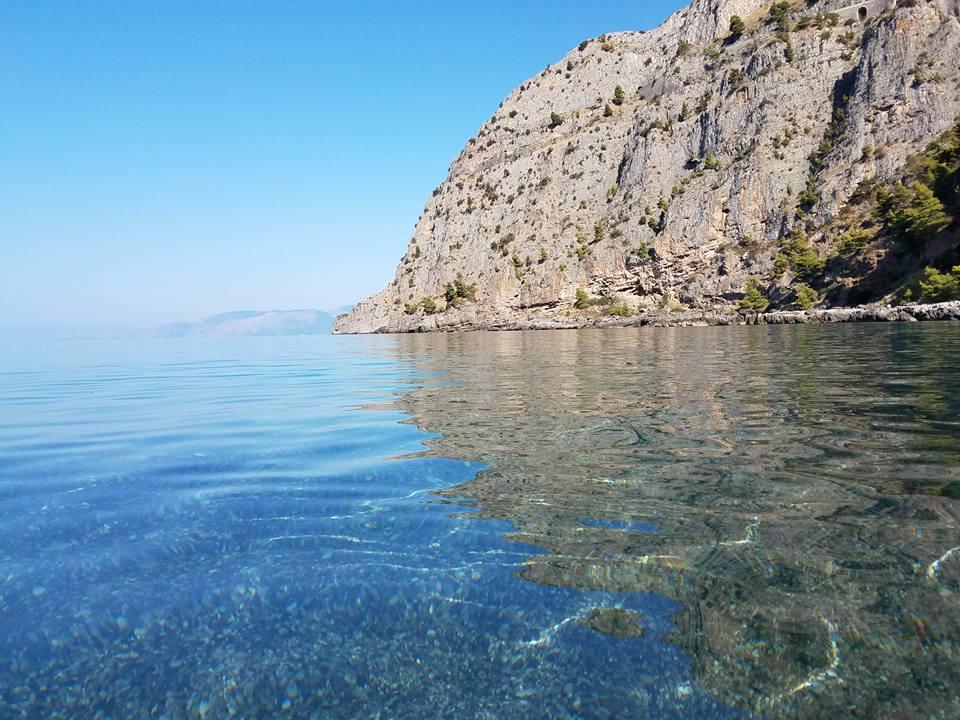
x=793, y=489
x=221, y=529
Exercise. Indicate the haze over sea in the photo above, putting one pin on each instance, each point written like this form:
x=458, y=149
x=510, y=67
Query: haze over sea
x=723, y=522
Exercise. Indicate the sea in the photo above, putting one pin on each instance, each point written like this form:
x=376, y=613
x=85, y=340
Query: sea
x=740, y=522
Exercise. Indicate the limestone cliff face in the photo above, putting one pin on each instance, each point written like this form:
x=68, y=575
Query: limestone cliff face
x=677, y=187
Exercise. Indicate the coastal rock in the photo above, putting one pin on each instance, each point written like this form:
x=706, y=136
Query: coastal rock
x=663, y=169
x=706, y=318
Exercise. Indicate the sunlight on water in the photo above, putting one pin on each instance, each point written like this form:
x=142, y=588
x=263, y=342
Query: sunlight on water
x=702, y=523
x=231, y=529
x=793, y=489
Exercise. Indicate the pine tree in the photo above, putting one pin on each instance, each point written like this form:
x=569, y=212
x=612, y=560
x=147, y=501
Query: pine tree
x=914, y=213
x=938, y=286
x=753, y=299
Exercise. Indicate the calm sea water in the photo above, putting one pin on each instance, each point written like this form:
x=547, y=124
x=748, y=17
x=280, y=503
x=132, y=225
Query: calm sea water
x=691, y=523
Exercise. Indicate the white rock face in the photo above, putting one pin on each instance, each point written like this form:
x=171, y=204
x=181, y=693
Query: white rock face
x=681, y=191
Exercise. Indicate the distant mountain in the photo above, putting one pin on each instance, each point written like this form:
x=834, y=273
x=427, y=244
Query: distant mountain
x=342, y=310
x=253, y=322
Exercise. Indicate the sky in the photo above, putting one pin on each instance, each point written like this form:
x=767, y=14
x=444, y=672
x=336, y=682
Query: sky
x=172, y=160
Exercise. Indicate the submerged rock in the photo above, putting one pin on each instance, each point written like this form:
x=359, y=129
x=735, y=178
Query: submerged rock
x=615, y=622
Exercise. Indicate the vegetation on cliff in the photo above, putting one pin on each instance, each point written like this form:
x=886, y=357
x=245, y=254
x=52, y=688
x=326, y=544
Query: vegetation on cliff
x=785, y=143
x=905, y=232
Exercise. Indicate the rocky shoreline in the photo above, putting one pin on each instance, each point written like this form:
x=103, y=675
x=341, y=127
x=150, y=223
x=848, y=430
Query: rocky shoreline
x=673, y=168
x=866, y=313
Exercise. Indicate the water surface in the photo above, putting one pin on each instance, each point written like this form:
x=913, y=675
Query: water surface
x=726, y=522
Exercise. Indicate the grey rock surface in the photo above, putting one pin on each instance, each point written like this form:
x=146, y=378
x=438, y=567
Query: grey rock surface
x=675, y=194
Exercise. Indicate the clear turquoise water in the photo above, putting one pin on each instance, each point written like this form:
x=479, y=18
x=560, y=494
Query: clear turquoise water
x=430, y=526
x=224, y=528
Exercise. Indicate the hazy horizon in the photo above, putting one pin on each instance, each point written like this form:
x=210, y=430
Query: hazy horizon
x=119, y=330
x=170, y=163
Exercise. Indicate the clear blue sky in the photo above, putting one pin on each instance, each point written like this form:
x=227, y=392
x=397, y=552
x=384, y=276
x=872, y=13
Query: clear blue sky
x=170, y=160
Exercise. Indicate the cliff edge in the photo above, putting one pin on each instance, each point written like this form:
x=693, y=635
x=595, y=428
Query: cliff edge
x=741, y=154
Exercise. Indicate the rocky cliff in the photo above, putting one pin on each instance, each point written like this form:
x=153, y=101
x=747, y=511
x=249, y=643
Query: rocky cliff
x=740, y=149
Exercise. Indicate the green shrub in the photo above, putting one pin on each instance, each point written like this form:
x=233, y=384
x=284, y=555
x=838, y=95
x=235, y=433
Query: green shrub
x=737, y=26
x=543, y=256
x=753, y=299
x=914, y=213
x=938, y=286
x=703, y=102
x=411, y=308
x=802, y=254
x=853, y=240
x=459, y=290
x=598, y=231
x=556, y=120
x=806, y=297
x=607, y=110
x=583, y=300
x=736, y=79
x=619, y=310
x=618, y=95
x=428, y=305
x=788, y=52
x=780, y=14
x=809, y=196
x=502, y=244
x=641, y=250
x=780, y=265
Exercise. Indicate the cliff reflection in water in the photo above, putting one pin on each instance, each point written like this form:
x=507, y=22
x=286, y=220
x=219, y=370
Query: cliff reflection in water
x=794, y=489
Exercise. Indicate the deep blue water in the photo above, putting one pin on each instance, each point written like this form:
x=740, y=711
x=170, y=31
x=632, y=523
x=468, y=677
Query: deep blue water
x=244, y=528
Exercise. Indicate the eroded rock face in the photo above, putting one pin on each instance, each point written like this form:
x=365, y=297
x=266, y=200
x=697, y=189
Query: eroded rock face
x=678, y=190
